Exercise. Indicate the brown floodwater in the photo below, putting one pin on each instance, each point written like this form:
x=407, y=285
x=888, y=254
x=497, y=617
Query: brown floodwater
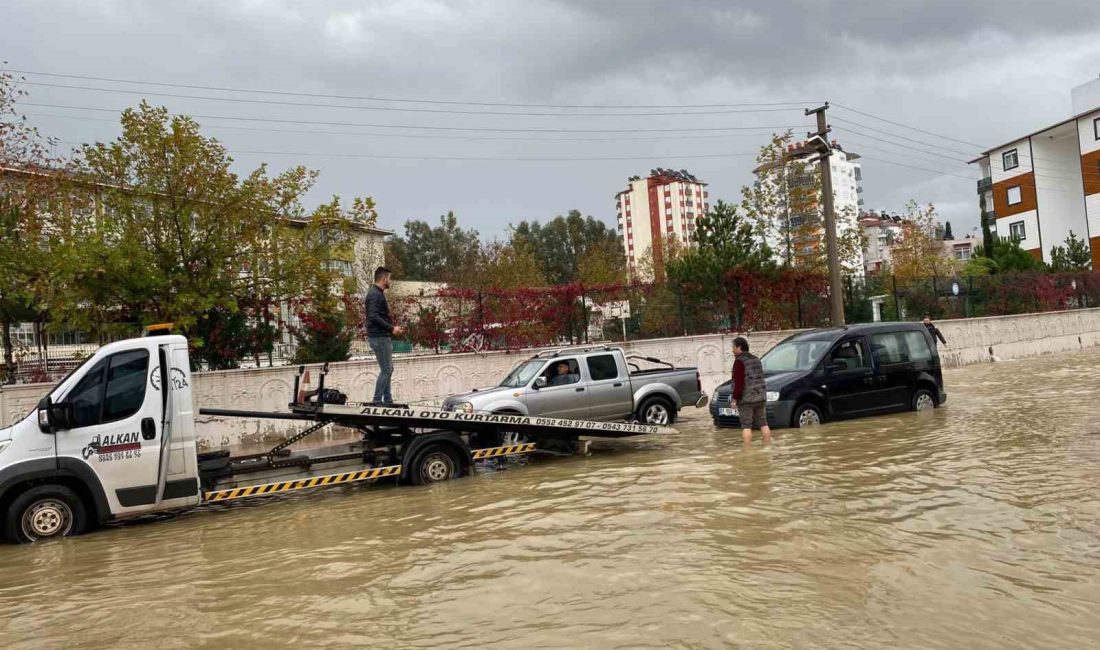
x=975, y=526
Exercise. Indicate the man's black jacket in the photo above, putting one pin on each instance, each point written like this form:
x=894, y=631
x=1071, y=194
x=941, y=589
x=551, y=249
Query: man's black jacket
x=935, y=332
x=379, y=322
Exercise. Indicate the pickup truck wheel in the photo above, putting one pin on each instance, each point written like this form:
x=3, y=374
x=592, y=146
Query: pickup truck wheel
x=435, y=464
x=807, y=415
x=43, y=512
x=656, y=410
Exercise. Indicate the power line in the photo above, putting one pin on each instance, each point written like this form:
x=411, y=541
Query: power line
x=207, y=125
x=271, y=102
x=394, y=99
x=906, y=126
x=894, y=135
x=433, y=128
x=323, y=154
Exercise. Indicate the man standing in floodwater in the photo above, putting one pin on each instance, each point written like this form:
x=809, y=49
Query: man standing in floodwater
x=380, y=333
x=749, y=392
x=933, y=330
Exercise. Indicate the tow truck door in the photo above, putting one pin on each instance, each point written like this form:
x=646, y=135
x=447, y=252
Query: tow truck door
x=117, y=424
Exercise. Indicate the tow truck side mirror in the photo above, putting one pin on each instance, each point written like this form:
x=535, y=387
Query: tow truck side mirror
x=540, y=382
x=52, y=417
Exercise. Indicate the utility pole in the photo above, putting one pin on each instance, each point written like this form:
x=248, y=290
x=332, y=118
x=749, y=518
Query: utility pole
x=836, y=296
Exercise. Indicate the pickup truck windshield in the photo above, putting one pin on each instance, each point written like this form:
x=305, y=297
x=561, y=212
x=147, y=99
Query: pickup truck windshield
x=794, y=356
x=523, y=374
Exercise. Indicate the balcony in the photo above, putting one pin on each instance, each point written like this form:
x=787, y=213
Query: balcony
x=985, y=185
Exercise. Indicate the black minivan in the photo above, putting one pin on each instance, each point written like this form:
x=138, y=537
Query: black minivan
x=845, y=372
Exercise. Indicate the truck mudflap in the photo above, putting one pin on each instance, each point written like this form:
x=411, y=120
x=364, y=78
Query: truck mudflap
x=357, y=476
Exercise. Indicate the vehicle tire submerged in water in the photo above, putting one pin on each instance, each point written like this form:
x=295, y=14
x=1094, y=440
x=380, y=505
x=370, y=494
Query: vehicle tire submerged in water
x=807, y=415
x=43, y=512
x=656, y=410
x=923, y=400
x=435, y=464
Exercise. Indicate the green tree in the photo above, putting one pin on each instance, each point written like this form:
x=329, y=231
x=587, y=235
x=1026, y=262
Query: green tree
x=1012, y=258
x=918, y=253
x=432, y=254
x=947, y=234
x=989, y=242
x=980, y=265
x=1073, y=256
x=574, y=248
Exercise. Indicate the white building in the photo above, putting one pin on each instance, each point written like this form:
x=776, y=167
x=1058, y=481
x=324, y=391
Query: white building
x=800, y=231
x=664, y=204
x=1039, y=188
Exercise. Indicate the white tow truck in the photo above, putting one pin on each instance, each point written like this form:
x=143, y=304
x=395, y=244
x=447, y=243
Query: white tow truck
x=116, y=439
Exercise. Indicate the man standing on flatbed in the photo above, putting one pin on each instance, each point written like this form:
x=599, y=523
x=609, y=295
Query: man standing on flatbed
x=749, y=392
x=380, y=333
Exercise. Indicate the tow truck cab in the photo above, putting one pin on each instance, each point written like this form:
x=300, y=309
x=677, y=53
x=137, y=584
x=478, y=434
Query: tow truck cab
x=115, y=438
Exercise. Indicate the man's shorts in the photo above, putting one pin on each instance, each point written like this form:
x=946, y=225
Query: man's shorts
x=753, y=415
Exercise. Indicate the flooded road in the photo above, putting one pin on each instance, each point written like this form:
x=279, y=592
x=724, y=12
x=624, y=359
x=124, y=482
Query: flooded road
x=975, y=526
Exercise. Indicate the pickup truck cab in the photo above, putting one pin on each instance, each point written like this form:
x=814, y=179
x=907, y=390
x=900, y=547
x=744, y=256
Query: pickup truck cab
x=845, y=372
x=594, y=383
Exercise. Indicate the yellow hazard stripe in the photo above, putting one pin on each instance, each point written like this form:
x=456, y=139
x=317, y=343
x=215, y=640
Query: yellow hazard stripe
x=493, y=452
x=302, y=484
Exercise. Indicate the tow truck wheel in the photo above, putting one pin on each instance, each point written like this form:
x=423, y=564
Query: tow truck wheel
x=435, y=464
x=43, y=512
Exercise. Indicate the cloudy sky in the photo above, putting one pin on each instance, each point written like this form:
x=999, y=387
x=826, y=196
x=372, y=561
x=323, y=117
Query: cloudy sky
x=529, y=109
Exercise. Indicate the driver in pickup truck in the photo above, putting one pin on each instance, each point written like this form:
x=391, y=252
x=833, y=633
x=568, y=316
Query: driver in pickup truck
x=563, y=376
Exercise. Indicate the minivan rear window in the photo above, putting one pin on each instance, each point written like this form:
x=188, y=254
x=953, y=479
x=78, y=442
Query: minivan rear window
x=889, y=348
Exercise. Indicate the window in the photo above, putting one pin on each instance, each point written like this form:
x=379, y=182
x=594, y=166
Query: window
x=850, y=355
x=562, y=373
x=1096, y=128
x=889, y=348
x=1010, y=160
x=603, y=367
x=114, y=389
x=1013, y=196
x=1016, y=231
x=917, y=343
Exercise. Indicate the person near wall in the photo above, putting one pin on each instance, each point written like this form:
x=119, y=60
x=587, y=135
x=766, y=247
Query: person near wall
x=749, y=392
x=933, y=330
x=380, y=333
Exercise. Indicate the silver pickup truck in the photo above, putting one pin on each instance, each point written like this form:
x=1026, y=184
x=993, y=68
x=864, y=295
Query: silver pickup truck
x=594, y=383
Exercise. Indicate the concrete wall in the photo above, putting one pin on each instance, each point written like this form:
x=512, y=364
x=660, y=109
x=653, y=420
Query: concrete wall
x=427, y=379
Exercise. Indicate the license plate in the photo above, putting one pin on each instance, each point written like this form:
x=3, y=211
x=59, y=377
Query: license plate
x=727, y=412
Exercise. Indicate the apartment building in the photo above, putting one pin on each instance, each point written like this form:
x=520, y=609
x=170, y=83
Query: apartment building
x=1040, y=187
x=653, y=209
x=880, y=231
x=799, y=233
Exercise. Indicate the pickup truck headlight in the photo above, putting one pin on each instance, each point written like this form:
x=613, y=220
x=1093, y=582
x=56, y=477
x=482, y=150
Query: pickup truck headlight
x=772, y=396
x=464, y=407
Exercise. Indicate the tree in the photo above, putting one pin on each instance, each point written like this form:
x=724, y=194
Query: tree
x=432, y=254
x=1012, y=258
x=980, y=265
x=784, y=207
x=947, y=234
x=1073, y=256
x=575, y=249
x=179, y=237
x=502, y=265
x=989, y=242
x=918, y=254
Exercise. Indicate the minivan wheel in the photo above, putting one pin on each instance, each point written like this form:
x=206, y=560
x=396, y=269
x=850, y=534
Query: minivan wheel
x=43, y=512
x=923, y=400
x=807, y=415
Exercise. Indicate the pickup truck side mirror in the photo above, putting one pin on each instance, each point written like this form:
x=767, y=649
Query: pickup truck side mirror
x=540, y=382
x=52, y=417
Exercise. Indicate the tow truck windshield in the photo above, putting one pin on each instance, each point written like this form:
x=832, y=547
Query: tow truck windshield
x=523, y=374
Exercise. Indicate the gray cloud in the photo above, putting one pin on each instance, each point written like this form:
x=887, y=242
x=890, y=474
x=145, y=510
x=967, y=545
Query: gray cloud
x=978, y=72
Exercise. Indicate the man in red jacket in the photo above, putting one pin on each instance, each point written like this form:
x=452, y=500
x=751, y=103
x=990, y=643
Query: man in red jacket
x=749, y=392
